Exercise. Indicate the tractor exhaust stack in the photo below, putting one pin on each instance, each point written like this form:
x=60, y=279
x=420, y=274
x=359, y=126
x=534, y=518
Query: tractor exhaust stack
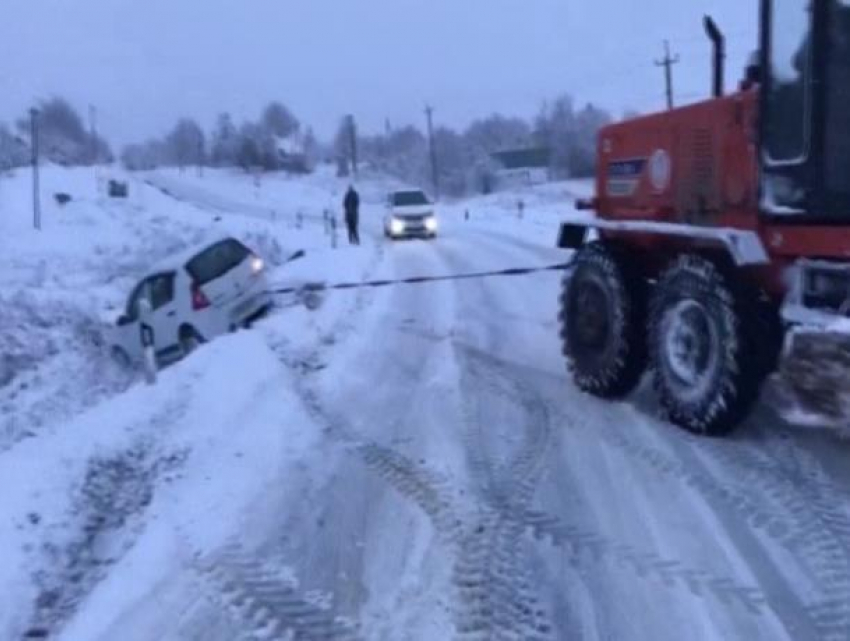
x=719, y=42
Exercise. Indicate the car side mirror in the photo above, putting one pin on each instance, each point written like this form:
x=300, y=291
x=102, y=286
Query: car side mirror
x=123, y=320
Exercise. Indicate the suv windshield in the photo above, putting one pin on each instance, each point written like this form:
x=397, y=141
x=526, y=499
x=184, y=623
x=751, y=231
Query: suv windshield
x=409, y=199
x=217, y=260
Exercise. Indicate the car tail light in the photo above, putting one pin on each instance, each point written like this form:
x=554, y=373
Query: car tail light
x=199, y=299
x=257, y=265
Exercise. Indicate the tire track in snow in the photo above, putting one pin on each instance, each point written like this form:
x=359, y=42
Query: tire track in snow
x=798, y=484
x=425, y=488
x=497, y=600
x=267, y=604
x=801, y=527
x=588, y=546
x=591, y=547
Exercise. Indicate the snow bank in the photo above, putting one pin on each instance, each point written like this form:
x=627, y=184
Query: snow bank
x=179, y=462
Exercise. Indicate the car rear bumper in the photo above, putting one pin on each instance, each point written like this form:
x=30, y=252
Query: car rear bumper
x=250, y=310
x=409, y=234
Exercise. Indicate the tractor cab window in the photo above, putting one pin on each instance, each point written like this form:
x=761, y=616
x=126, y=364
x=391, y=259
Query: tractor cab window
x=789, y=83
x=837, y=141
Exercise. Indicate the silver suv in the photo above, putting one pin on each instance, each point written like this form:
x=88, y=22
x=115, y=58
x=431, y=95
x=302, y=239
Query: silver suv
x=410, y=215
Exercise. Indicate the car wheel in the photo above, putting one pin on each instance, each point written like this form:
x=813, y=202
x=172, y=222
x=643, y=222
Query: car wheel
x=190, y=340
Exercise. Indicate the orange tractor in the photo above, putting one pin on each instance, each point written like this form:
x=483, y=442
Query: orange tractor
x=719, y=252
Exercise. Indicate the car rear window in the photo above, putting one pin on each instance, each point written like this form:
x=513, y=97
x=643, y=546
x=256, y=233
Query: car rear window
x=409, y=199
x=215, y=261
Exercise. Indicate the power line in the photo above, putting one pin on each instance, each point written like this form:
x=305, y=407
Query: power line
x=667, y=62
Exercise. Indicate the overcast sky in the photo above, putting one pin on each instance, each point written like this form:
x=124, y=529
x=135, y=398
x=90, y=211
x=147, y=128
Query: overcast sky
x=144, y=63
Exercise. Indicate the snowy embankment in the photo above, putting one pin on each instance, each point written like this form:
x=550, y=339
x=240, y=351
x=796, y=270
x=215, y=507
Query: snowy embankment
x=94, y=464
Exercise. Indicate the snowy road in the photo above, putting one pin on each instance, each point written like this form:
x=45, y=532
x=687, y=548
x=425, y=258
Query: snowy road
x=455, y=484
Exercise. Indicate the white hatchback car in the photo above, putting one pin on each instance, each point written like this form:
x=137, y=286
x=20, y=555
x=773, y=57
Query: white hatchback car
x=410, y=215
x=196, y=296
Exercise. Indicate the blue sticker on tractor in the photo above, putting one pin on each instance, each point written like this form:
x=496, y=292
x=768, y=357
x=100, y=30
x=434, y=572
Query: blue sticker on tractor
x=624, y=177
x=626, y=168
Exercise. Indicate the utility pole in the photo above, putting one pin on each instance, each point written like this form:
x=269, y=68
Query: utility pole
x=668, y=63
x=352, y=140
x=429, y=113
x=93, y=134
x=36, y=189
x=200, y=157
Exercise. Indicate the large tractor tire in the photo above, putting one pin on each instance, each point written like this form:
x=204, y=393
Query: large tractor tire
x=703, y=347
x=603, y=313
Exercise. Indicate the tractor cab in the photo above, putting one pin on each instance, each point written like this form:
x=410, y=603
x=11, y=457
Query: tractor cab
x=805, y=110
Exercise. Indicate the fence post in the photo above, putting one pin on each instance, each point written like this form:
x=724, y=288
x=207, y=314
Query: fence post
x=299, y=220
x=333, y=232
x=521, y=209
x=147, y=337
x=326, y=221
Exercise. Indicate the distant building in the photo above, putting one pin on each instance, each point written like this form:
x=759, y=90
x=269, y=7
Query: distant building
x=292, y=154
x=521, y=167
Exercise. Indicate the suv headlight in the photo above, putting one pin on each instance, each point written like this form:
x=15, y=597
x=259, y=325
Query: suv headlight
x=431, y=224
x=396, y=226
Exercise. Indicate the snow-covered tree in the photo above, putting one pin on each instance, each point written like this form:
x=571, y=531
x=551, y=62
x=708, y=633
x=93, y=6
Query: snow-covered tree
x=225, y=142
x=63, y=137
x=497, y=133
x=186, y=144
x=14, y=151
x=312, y=149
x=279, y=120
x=570, y=135
x=346, y=144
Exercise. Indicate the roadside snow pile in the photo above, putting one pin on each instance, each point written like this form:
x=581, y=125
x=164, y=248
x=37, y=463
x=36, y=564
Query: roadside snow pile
x=528, y=214
x=52, y=364
x=32, y=332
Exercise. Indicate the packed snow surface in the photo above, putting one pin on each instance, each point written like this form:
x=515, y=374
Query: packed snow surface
x=399, y=463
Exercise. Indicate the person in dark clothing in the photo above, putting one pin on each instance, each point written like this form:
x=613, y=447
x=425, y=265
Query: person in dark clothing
x=352, y=215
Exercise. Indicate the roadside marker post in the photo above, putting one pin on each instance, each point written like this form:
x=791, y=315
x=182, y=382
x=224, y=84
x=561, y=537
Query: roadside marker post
x=333, y=232
x=147, y=337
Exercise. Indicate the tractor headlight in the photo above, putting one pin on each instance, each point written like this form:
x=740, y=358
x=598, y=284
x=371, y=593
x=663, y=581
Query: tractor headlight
x=431, y=224
x=396, y=226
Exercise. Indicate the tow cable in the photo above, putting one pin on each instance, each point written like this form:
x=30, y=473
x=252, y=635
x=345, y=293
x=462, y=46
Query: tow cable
x=418, y=280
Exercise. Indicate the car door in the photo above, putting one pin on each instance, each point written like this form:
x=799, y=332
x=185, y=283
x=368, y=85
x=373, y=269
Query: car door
x=129, y=332
x=165, y=318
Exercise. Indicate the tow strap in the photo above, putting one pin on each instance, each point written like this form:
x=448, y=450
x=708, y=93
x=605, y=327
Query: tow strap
x=417, y=280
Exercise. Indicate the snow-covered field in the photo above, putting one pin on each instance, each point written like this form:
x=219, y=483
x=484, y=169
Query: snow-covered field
x=407, y=462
